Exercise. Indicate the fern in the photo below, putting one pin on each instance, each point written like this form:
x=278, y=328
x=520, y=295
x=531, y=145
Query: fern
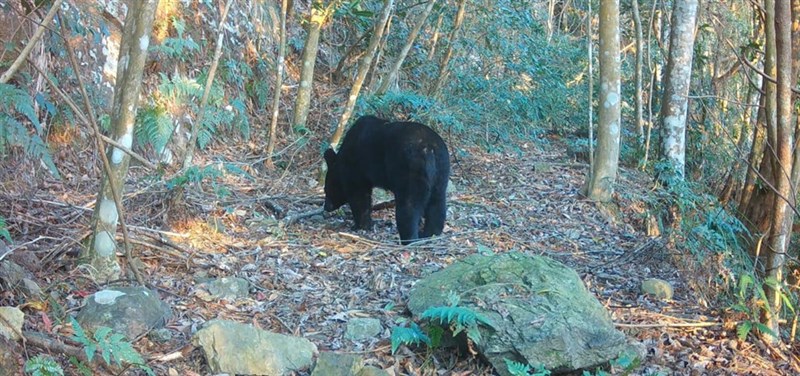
x=43, y=365
x=112, y=346
x=459, y=319
x=412, y=335
x=178, y=48
x=16, y=103
x=153, y=127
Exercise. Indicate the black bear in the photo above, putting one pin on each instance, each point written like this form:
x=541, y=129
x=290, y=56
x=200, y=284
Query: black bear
x=407, y=158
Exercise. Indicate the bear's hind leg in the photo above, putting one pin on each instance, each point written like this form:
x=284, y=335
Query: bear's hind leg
x=435, y=215
x=407, y=214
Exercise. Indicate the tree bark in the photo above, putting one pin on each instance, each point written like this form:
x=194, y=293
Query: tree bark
x=435, y=38
x=317, y=18
x=600, y=184
x=276, y=101
x=101, y=252
x=443, y=67
x=781, y=216
x=392, y=74
x=676, y=89
x=639, y=96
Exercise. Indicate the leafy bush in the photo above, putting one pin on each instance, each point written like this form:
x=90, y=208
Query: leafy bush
x=112, y=346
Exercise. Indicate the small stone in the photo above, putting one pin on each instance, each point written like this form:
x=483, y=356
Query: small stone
x=30, y=288
x=330, y=363
x=657, y=288
x=372, y=371
x=363, y=329
x=161, y=335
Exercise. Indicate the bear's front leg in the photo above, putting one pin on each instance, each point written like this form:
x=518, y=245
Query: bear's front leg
x=361, y=206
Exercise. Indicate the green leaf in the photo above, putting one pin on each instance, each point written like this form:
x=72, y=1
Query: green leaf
x=743, y=330
x=408, y=336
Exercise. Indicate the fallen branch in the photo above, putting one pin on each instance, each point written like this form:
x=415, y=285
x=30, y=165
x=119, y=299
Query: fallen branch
x=294, y=218
x=55, y=345
x=670, y=325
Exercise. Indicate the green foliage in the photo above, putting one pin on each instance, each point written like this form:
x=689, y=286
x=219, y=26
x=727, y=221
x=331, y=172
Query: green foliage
x=4, y=230
x=153, y=127
x=17, y=107
x=82, y=368
x=412, y=335
x=179, y=48
x=459, y=319
x=197, y=175
x=411, y=106
x=751, y=299
x=112, y=346
x=522, y=369
x=43, y=365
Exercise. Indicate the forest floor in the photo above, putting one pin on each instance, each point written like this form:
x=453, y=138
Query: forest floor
x=310, y=277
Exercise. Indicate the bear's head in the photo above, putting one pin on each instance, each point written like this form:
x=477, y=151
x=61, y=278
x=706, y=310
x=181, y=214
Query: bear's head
x=334, y=191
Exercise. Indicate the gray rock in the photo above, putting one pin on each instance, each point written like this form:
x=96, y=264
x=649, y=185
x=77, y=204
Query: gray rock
x=331, y=363
x=372, y=371
x=657, y=288
x=363, y=329
x=540, y=310
x=160, y=335
x=12, y=274
x=235, y=348
x=225, y=288
x=11, y=325
x=131, y=311
x=30, y=288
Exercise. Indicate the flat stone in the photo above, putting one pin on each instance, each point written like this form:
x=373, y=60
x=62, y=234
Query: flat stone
x=363, y=329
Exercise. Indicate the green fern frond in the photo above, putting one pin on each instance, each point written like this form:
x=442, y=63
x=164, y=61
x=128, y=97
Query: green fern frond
x=42, y=365
x=412, y=335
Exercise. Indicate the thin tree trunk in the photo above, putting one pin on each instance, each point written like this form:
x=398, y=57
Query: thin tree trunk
x=600, y=185
x=276, y=102
x=363, y=65
x=369, y=81
x=435, y=38
x=781, y=216
x=590, y=52
x=639, y=97
x=198, y=124
x=101, y=252
x=319, y=15
x=443, y=67
x=763, y=197
x=31, y=43
x=676, y=89
x=392, y=74
x=756, y=152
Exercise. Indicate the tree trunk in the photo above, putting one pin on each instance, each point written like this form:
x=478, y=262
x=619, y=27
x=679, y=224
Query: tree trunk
x=318, y=16
x=676, y=89
x=392, y=74
x=101, y=252
x=443, y=67
x=363, y=66
x=600, y=184
x=435, y=38
x=762, y=198
x=198, y=124
x=781, y=218
x=756, y=153
x=276, y=101
x=639, y=96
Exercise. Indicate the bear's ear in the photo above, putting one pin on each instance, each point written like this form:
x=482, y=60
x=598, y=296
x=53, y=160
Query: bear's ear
x=330, y=156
